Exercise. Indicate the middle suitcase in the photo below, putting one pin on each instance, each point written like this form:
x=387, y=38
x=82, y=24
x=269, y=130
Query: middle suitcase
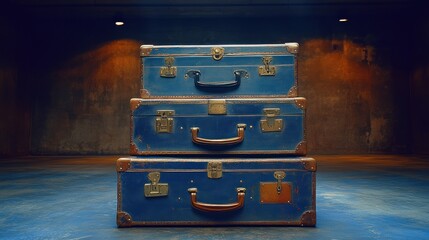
x=218, y=126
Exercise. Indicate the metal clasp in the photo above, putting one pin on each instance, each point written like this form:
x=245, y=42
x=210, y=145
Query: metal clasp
x=279, y=175
x=217, y=53
x=168, y=71
x=164, y=123
x=155, y=189
x=214, y=170
x=267, y=70
x=217, y=107
x=271, y=124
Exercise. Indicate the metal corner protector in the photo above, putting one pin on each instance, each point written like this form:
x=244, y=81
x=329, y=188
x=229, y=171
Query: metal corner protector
x=144, y=93
x=292, y=48
x=123, y=219
x=135, y=103
x=301, y=103
x=133, y=149
x=293, y=92
x=308, y=218
x=123, y=164
x=145, y=50
x=310, y=164
x=301, y=148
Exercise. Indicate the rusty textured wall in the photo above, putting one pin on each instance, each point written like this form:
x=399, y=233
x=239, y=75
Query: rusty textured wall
x=355, y=80
x=351, y=98
x=87, y=108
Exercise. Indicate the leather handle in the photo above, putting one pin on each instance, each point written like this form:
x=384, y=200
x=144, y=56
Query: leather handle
x=208, y=207
x=219, y=142
x=216, y=86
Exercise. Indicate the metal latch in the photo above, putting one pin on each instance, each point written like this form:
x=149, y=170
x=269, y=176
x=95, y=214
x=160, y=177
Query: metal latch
x=214, y=170
x=164, y=123
x=168, y=71
x=279, y=175
x=271, y=124
x=267, y=70
x=155, y=189
x=217, y=53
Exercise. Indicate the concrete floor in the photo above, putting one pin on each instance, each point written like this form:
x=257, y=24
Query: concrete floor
x=358, y=197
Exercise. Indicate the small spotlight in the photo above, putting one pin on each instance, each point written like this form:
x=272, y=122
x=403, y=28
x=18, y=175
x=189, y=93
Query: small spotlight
x=119, y=23
x=343, y=20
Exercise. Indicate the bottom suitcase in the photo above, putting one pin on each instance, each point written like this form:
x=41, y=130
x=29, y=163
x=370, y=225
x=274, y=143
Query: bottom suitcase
x=211, y=191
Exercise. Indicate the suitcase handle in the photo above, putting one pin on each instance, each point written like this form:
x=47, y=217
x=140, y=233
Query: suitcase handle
x=208, y=207
x=219, y=142
x=217, y=86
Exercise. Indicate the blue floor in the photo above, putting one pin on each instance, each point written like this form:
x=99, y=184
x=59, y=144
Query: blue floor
x=358, y=197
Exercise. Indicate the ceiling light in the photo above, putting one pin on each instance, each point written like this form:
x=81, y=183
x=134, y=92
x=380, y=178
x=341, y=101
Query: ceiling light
x=343, y=20
x=119, y=23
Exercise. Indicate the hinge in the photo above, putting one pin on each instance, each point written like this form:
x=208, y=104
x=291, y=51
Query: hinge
x=271, y=124
x=154, y=188
x=164, y=123
x=267, y=70
x=169, y=71
x=214, y=169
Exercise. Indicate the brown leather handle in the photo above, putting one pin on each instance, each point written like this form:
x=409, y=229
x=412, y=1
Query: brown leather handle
x=207, y=207
x=219, y=142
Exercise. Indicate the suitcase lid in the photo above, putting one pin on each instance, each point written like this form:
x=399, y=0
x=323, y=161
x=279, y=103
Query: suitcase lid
x=165, y=164
x=242, y=106
x=219, y=50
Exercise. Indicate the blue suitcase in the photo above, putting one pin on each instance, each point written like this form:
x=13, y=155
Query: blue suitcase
x=218, y=126
x=221, y=71
x=204, y=191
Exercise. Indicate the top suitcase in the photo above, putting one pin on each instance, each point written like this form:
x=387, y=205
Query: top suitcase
x=221, y=71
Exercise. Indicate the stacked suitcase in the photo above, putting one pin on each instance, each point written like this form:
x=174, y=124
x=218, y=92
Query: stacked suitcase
x=217, y=138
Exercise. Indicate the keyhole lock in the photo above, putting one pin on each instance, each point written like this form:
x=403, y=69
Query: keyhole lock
x=279, y=175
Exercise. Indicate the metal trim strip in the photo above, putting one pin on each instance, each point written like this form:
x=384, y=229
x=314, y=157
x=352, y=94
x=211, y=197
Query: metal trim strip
x=145, y=95
x=261, y=152
x=255, y=100
x=223, y=170
x=223, y=160
x=208, y=223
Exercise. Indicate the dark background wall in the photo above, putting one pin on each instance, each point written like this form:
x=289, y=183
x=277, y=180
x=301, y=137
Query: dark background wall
x=66, y=81
x=14, y=106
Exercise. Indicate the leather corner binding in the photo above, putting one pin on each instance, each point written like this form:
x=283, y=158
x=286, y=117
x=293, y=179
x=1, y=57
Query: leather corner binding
x=293, y=92
x=308, y=218
x=310, y=164
x=123, y=219
x=145, y=50
x=301, y=148
x=301, y=103
x=133, y=149
x=292, y=48
x=135, y=103
x=144, y=93
x=123, y=164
